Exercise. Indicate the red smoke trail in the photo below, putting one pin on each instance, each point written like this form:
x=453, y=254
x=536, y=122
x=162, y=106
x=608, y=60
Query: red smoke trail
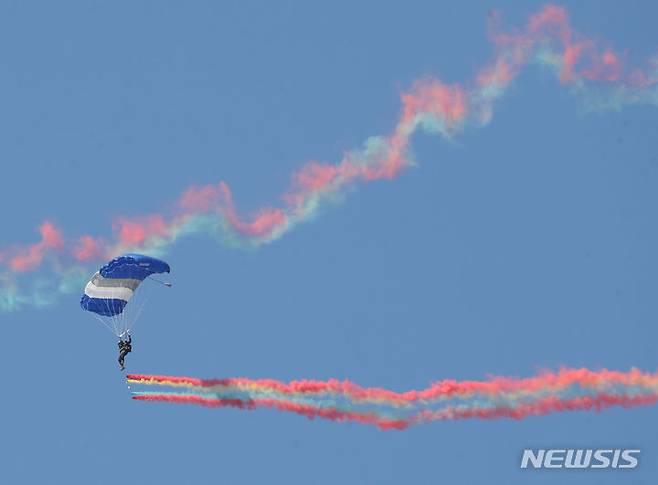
x=430, y=105
x=546, y=393
x=446, y=389
x=30, y=257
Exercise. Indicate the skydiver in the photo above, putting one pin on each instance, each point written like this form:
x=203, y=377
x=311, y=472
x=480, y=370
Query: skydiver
x=125, y=348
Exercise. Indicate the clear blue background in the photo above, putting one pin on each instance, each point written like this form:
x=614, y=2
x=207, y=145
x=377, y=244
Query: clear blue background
x=528, y=244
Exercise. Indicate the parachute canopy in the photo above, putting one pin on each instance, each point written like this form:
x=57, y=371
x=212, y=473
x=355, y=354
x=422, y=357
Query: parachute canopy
x=114, y=286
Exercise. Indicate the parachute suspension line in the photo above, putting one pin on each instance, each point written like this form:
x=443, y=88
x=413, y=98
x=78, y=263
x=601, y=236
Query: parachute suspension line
x=142, y=299
x=109, y=317
x=105, y=324
x=131, y=312
x=128, y=315
x=115, y=320
x=123, y=319
x=142, y=303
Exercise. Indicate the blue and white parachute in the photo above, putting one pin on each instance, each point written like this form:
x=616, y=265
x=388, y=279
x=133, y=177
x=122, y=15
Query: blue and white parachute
x=112, y=292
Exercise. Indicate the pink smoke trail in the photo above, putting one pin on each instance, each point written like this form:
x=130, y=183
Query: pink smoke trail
x=498, y=397
x=598, y=74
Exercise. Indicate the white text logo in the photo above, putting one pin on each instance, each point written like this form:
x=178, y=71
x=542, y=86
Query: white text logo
x=554, y=458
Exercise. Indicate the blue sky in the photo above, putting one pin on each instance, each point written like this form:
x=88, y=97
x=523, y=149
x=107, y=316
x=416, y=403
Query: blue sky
x=524, y=245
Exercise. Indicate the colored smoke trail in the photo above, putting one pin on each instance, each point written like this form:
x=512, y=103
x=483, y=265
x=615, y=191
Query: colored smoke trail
x=546, y=393
x=598, y=75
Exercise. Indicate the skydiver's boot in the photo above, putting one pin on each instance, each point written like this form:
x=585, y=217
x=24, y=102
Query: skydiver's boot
x=123, y=367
